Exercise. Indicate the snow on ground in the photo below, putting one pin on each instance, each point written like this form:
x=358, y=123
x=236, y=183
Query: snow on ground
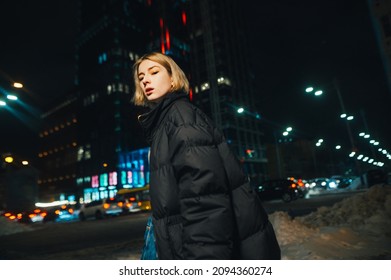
x=358, y=227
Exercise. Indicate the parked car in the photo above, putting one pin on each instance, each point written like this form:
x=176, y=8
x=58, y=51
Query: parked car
x=319, y=183
x=302, y=186
x=31, y=216
x=59, y=213
x=102, y=208
x=284, y=189
x=136, y=199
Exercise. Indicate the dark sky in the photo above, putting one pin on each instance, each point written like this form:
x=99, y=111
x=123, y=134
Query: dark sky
x=302, y=43
x=297, y=43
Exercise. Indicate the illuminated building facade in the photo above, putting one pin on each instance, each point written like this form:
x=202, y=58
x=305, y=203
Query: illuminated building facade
x=223, y=80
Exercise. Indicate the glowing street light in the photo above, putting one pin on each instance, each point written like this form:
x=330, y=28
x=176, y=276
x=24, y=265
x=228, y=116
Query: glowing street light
x=287, y=130
x=240, y=110
x=17, y=85
x=12, y=97
x=319, y=143
x=342, y=105
x=8, y=159
x=311, y=89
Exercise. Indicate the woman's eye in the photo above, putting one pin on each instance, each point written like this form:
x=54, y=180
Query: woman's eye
x=155, y=72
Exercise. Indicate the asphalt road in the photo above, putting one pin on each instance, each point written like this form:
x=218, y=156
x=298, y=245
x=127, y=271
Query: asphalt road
x=93, y=239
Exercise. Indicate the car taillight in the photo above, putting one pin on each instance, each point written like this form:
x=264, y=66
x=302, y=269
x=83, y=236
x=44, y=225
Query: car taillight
x=70, y=210
x=8, y=214
x=106, y=206
x=293, y=186
x=12, y=217
x=132, y=199
x=43, y=214
x=120, y=204
x=57, y=212
x=139, y=203
x=32, y=215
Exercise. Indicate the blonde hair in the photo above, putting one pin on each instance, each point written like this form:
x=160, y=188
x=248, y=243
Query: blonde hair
x=179, y=79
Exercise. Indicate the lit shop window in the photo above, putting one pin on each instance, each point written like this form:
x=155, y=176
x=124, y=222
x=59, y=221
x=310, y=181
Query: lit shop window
x=113, y=178
x=102, y=58
x=103, y=180
x=94, y=181
x=130, y=177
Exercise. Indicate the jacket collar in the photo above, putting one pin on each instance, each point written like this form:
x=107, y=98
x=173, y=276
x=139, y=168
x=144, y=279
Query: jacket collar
x=151, y=120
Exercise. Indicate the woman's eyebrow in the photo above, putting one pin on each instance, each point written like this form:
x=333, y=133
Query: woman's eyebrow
x=150, y=68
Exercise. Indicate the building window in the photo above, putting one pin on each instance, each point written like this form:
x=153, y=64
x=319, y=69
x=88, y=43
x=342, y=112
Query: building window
x=205, y=86
x=102, y=58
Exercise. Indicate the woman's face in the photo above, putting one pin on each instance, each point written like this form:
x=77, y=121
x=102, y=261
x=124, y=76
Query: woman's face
x=154, y=80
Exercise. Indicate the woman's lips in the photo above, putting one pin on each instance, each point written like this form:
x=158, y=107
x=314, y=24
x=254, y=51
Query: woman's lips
x=148, y=91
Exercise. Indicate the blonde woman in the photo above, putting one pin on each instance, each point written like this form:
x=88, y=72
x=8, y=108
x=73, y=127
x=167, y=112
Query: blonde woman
x=202, y=204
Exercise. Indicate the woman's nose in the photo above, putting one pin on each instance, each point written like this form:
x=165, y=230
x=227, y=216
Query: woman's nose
x=146, y=80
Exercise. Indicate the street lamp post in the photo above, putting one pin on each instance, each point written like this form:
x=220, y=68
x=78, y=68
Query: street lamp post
x=336, y=86
x=343, y=110
x=343, y=113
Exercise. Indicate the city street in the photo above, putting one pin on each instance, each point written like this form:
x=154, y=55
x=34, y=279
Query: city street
x=120, y=236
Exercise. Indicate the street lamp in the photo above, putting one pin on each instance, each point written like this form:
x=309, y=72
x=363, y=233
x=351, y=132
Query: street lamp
x=343, y=111
x=17, y=85
x=12, y=97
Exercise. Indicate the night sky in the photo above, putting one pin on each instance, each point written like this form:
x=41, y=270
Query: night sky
x=295, y=44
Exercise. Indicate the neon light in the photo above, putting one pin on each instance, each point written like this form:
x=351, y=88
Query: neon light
x=123, y=178
x=103, y=180
x=161, y=23
x=168, y=39
x=94, y=181
x=191, y=94
x=184, y=18
x=130, y=177
x=162, y=47
x=113, y=178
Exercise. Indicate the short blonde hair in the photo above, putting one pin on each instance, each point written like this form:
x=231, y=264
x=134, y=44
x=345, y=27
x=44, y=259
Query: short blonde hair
x=179, y=79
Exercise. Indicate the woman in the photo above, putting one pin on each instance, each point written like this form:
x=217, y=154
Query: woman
x=202, y=204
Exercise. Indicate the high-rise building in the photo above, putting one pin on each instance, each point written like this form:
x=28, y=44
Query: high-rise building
x=58, y=149
x=223, y=79
x=206, y=38
x=112, y=36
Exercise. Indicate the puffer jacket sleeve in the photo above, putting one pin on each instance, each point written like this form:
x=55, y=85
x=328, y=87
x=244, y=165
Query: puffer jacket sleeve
x=205, y=208
x=256, y=233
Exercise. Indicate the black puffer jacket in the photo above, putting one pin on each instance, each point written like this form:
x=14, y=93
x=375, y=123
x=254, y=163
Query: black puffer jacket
x=203, y=207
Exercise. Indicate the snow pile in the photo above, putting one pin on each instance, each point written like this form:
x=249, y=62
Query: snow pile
x=358, y=227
